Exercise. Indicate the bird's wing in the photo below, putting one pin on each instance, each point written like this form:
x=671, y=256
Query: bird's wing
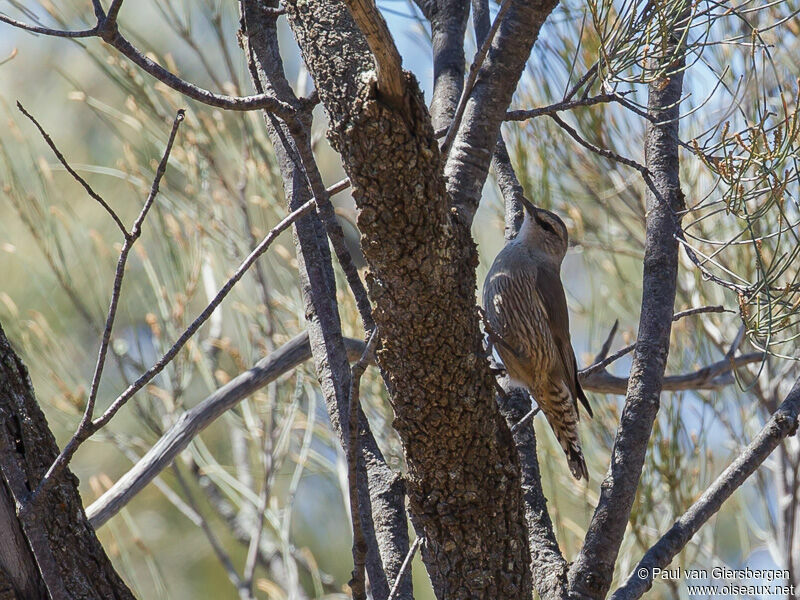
x=551, y=293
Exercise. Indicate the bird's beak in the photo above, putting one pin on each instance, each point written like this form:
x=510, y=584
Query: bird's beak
x=528, y=206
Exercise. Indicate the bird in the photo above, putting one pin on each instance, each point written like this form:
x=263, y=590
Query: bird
x=526, y=311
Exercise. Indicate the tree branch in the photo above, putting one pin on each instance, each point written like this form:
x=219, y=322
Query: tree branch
x=89, y=190
x=448, y=29
x=711, y=377
x=524, y=115
x=381, y=495
x=108, y=30
x=548, y=567
x=357, y=582
x=504, y=173
x=782, y=424
x=591, y=574
x=293, y=353
x=474, y=70
x=87, y=426
x=388, y=62
x=474, y=141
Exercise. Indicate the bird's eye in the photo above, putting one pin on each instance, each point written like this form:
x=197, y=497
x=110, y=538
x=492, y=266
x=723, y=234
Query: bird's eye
x=547, y=226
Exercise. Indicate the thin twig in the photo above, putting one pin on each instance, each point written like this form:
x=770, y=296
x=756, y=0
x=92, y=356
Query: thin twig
x=357, y=582
x=107, y=29
x=597, y=149
x=339, y=186
x=86, y=427
x=72, y=171
x=83, y=33
x=263, y=503
x=113, y=11
x=524, y=115
x=406, y=563
x=223, y=557
x=145, y=378
x=603, y=360
x=293, y=353
x=284, y=224
x=524, y=420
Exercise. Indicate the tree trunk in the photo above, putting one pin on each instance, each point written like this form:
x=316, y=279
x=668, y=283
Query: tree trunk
x=463, y=472
x=48, y=549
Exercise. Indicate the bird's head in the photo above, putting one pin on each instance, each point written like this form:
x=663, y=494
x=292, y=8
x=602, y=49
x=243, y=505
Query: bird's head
x=544, y=231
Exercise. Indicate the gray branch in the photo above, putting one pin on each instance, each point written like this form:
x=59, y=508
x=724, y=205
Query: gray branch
x=782, y=424
x=107, y=29
x=381, y=494
x=295, y=352
x=448, y=27
x=548, y=567
x=474, y=142
x=591, y=574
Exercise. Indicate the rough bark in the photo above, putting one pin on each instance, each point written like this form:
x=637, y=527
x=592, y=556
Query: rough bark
x=381, y=495
x=46, y=550
x=592, y=572
x=463, y=477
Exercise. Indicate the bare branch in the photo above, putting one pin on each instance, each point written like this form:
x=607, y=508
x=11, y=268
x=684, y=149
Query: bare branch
x=286, y=358
x=603, y=360
x=83, y=33
x=474, y=69
x=548, y=567
x=711, y=377
x=782, y=424
x=406, y=564
x=87, y=430
x=190, y=90
x=108, y=31
x=597, y=149
x=357, y=582
x=504, y=173
x=388, y=62
x=293, y=353
x=86, y=427
x=591, y=574
x=113, y=11
x=510, y=187
x=448, y=29
x=308, y=164
x=524, y=115
x=472, y=145
x=72, y=172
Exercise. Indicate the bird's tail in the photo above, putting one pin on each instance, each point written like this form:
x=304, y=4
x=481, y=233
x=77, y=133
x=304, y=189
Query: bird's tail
x=562, y=414
x=577, y=465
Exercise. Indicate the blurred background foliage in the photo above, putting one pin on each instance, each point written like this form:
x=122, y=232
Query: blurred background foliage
x=222, y=193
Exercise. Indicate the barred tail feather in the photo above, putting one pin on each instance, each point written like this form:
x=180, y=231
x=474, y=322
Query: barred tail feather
x=577, y=465
x=562, y=414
